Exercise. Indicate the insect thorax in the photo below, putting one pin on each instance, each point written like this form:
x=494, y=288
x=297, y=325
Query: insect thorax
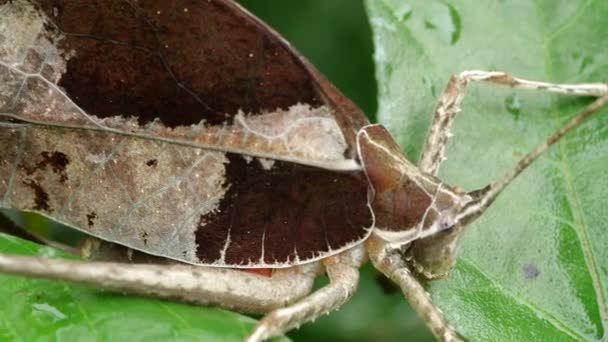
x=414, y=211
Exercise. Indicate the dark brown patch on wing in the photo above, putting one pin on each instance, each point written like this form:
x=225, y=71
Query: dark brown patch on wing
x=152, y=162
x=287, y=212
x=91, y=218
x=41, y=197
x=180, y=61
x=56, y=161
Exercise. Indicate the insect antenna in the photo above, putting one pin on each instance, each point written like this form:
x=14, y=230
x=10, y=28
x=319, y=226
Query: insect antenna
x=483, y=198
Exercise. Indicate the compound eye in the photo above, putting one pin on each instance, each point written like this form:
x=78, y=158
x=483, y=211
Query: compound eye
x=446, y=224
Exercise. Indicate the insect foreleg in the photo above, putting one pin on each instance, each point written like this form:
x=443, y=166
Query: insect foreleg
x=394, y=268
x=450, y=100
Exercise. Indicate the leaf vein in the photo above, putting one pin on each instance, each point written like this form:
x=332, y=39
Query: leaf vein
x=570, y=22
x=571, y=192
x=552, y=320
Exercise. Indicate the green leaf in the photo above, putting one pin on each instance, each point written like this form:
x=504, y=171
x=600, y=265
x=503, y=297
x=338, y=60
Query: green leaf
x=535, y=265
x=40, y=310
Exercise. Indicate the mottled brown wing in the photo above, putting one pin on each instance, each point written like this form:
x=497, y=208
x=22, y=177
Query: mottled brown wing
x=202, y=73
x=185, y=129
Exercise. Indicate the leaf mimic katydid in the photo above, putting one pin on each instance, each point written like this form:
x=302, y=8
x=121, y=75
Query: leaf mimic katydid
x=193, y=132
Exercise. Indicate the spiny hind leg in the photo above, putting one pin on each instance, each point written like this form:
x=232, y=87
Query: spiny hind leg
x=343, y=273
x=451, y=98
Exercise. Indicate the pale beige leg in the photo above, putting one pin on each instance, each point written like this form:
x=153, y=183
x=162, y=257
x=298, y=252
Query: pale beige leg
x=391, y=264
x=343, y=272
x=449, y=105
x=231, y=289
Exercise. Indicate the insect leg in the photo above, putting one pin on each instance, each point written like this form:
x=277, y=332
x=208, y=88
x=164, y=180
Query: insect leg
x=394, y=268
x=231, y=289
x=343, y=272
x=450, y=100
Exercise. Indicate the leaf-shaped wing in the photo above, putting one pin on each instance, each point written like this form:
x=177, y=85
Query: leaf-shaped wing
x=206, y=74
x=172, y=128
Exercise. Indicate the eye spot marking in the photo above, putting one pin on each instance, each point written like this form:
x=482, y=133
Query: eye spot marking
x=446, y=224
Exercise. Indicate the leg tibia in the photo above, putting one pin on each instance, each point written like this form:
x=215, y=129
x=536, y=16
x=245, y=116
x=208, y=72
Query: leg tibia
x=450, y=100
x=393, y=267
